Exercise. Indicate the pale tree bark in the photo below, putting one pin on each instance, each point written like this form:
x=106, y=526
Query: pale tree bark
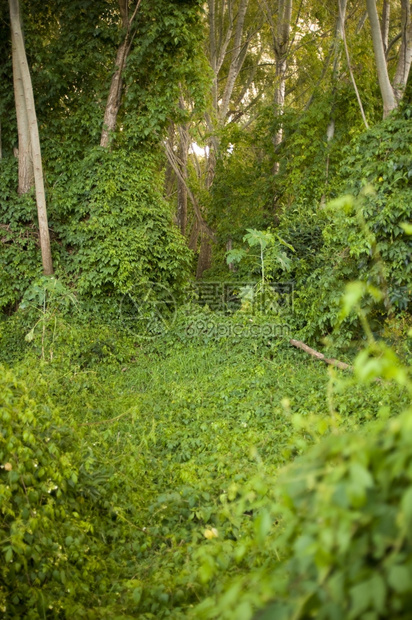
x=352, y=77
x=237, y=58
x=388, y=96
x=281, y=48
x=385, y=23
x=26, y=174
x=228, y=46
x=281, y=44
x=116, y=85
x=227, y=40
x=336, y=53
x=405, y=52
x=21, y=60
x=339, y=33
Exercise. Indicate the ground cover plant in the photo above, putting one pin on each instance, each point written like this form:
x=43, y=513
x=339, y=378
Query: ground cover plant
x=171, y=452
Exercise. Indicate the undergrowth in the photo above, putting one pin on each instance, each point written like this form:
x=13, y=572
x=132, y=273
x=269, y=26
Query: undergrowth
x=173, y=447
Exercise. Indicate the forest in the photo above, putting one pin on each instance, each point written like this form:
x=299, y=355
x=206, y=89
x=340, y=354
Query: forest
x=205, y=309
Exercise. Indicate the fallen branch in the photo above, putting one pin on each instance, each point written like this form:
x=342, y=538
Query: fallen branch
x=332, y=362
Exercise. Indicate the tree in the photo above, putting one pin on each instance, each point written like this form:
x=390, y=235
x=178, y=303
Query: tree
x=116, y=85
x=26, y=175
x=391, y=92
x=280, y=31
x=231, y=27
x=28, y=130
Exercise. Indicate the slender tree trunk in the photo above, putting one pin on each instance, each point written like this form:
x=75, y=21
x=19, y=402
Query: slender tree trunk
x=339, y=34
x=352, y=77
x=238, y=56
x=405, y=52
x=182, y=182
x=205, y=255
x=336, y=51
x=281, y=49
x=386, y=18
x=34, y=136
x=170, y=177
x=115, y=94
x=387, y=92
x=116, y=85
x=26, y=174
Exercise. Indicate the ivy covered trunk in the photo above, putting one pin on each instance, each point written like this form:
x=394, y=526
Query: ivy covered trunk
x=116, y=85
x=114, y=98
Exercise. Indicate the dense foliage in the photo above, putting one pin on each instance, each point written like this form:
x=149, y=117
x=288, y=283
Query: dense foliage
x=171, y=446
x=161, y=468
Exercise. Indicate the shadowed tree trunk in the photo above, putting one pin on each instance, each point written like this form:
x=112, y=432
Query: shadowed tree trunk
x=182, y=183
x=24, y=73
x=205, y=255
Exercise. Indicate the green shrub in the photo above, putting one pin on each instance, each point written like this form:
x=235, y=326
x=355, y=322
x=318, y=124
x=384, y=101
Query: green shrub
x=362, y=239
x=348, y=523
x=112, y=230
x=57, y=524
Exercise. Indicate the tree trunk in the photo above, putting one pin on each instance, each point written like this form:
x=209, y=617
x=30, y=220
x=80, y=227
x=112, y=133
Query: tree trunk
x=281, y=49
x=386, y=17
x=405, y=53
x=352, y=77
x=34, y=135
x=194, y=235
x=26, y=175
x=115, y=94
x=238, y=57
x=205, y=256
x=182, y=182
x=387, y=92
x=116, y=85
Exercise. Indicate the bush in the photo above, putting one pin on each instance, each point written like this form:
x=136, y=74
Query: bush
x=56, y=527
x=361, y=239
x=111, y=228
x=348, y=526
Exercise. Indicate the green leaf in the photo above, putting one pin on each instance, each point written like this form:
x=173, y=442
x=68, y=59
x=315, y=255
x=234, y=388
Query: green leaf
x=30, y=336
x=407, y=228
x=399, y=579
x=263, y=523
x=235, y=256
x=406, y=504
